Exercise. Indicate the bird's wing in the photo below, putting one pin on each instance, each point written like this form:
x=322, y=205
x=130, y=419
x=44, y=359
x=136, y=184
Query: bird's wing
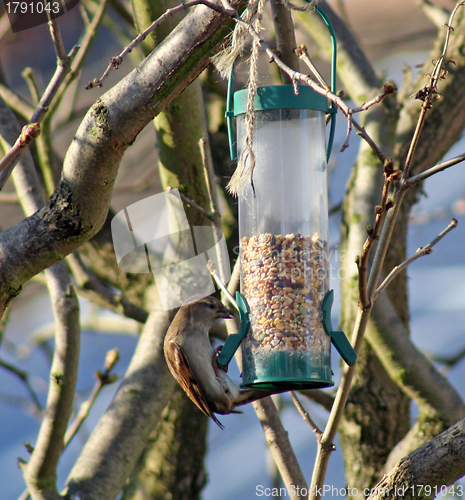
x=183, y=374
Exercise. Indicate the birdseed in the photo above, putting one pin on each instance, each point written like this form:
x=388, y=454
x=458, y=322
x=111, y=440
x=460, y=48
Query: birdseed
x=284, y=279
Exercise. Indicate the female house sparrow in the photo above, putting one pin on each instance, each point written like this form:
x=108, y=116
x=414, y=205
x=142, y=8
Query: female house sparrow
x=192, y=361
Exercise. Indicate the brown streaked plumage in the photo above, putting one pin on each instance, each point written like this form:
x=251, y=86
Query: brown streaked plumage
x=192, y=361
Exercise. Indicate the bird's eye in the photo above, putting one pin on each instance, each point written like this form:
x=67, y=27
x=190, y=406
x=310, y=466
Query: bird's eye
x=212, y=306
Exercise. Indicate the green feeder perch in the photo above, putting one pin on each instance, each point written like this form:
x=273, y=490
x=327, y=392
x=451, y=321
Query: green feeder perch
x=283, y=226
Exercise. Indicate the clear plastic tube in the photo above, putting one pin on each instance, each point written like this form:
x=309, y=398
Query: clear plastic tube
x=283, y=226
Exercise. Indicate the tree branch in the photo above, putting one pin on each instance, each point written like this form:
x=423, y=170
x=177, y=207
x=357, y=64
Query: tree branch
x=409, y=367
x=354, y=69
x=79, y=205
x=426, y=250
x=285, y=36
x=116, y=61
x=63, y=67
x=417, y=475
x=415, y=179
x=40, y=473
x=121, y=434
x=305, y=415
x=280, y=447
x=24, y=376
x=92, y=288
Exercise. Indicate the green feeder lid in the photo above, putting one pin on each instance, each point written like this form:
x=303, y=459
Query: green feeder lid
x=281, y=97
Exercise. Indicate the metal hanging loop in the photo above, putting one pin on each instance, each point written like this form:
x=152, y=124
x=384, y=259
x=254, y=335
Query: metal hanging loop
x=332, y=109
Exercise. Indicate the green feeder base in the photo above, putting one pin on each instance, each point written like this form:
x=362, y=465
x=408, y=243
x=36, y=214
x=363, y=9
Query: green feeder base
x=270, y=371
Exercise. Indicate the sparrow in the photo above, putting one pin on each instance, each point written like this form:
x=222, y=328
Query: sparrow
x=192, y=360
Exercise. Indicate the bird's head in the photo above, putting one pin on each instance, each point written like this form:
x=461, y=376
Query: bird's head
x=207, y=310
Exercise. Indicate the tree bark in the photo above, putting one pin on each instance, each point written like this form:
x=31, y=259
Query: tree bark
x=79, y=205
x=426, y=471
x=172, y=465
x=173, y=461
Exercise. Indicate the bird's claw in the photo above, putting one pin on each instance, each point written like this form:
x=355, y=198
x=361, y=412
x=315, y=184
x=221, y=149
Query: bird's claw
x=216, y=366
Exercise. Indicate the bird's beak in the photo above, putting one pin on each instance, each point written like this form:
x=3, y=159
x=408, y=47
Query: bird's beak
x=224, y=313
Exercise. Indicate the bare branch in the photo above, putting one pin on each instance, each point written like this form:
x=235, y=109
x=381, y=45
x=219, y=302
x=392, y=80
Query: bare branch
x=364, y=134
x=305, y=415
x=103, y=378
x=326, y=443
x=388, y=88
x=302, y=53
x=86, y=43
x=116, y=61
x=436, y=14
x=9, y=198
x=38, y=115
x=354, y=69
x=92, y=288
x=90, y=167
x=280, y=447
x=40, y=473
x=24, y=376
x=30, y=132
x=209, y=181
x=390, y=175
x=57, y=40
x=415, y=179
x=285, y=36
x=449, y=361
x=429, y=93
x=318, y=396
x=443, y=457
x=16, y=102
x=426, y=250
x=209, y=215
x=123, y=431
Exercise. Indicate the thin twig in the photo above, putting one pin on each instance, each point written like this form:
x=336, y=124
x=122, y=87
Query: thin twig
x=388, y=88
x=294, y=76
x=429, y=93
x=24, y=376
x=85, y=45
x=9, y=198
x=222, y=286
x=390, y=175
x=16, y=102
x=115, y=62
x=209, y=179
x=92, y=288
x=426, y=250
x=363, y=314
x=32, y=129
x=103, y=379
x=305, y=415
x=28, y=75
x=302, y=53
x=364, y=134
x=209, y=215
x=448, y=361
x=222, y=255
x=29, y=132
x=323, y=398
x=57, y=40
x=415, y=179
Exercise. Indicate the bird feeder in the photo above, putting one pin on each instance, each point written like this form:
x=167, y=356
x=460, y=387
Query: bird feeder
x=283, y=229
